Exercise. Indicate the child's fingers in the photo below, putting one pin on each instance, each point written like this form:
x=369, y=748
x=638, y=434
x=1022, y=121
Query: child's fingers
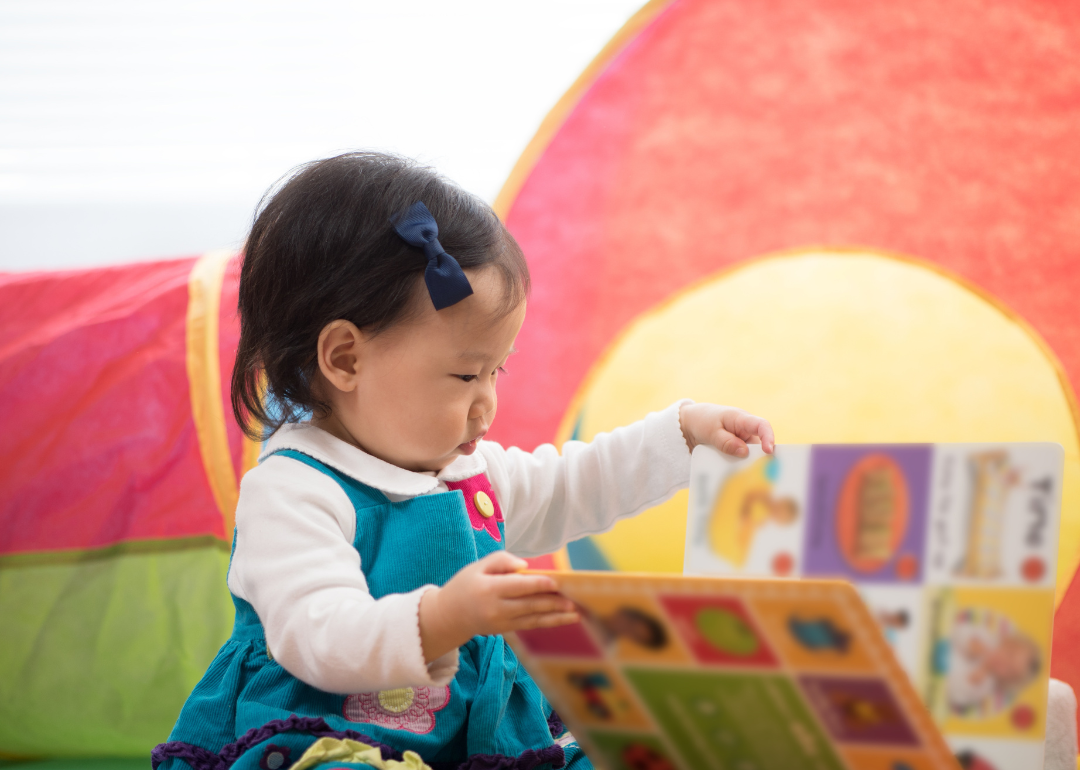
x=538, y=605
x=515, y=586
x=728, y=443
x=763, y=432
x=546, y=620
x=752, y=429
x=501, y=563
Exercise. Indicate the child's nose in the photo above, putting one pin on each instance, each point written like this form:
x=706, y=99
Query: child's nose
x=484, y=403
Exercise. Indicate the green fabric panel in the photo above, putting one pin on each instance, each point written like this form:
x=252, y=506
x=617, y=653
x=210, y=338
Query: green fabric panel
x=100, y=653
x=81, y=763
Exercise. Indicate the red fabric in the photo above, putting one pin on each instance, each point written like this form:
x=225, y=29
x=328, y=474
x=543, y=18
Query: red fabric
x=728, y=130
x=98, y=444
x=547, y=561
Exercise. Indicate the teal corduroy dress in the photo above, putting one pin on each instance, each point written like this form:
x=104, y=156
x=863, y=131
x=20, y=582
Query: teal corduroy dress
x=248, y=712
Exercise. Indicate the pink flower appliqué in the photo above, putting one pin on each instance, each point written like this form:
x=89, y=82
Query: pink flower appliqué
x=470, y=487
x=406, y=708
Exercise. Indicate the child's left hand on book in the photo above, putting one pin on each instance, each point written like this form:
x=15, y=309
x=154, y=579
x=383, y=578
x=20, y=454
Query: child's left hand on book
x=726, y=428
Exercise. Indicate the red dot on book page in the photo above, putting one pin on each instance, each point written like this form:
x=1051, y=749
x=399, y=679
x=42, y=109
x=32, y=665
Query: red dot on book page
x=907, y=566
x=1022, y=717
x=783, y=564
x=1033, y=569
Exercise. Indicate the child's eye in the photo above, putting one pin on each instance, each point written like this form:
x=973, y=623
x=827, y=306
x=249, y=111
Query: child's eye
x=466, y=377
x=500, y=370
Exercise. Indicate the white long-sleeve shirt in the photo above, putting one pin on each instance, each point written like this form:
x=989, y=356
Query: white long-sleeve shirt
x=295, y=562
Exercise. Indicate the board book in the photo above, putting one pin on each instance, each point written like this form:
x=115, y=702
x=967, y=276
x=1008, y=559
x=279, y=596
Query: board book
x=952, y=546
x=685, y=673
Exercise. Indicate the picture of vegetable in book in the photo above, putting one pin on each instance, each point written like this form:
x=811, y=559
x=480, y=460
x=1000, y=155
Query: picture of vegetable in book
x=745, y=504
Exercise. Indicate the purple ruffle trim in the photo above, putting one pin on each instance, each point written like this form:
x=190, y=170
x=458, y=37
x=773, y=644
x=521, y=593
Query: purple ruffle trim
x=555, y=725
x=524, y=761
x=199, y=758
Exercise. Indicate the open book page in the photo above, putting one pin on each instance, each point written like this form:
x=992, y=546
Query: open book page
x=952, y=546
x=684, y=673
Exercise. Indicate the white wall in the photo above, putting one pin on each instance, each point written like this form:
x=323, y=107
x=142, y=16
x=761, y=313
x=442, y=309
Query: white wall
x=132, y=129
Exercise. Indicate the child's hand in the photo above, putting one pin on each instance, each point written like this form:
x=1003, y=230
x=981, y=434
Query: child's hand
x=725, y=428
x=489, y=597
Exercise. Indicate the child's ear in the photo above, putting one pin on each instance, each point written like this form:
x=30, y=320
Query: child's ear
x=339, y=353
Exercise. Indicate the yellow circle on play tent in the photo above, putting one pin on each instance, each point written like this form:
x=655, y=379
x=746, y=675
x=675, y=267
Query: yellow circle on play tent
x=832, y=346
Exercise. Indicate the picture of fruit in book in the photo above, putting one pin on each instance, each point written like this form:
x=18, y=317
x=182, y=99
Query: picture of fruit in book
x=988, y=663
x=744, y=505
x=992, y=480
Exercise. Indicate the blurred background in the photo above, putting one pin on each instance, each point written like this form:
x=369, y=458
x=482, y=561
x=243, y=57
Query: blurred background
x=133, y=130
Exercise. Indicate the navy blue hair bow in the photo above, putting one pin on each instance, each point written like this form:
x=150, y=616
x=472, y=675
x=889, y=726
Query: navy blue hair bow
x=446, y=281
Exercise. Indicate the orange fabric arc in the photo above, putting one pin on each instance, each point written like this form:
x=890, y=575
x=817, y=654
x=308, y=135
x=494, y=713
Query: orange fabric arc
x=205, y=385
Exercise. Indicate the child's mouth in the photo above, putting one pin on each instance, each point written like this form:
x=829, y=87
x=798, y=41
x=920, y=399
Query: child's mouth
x=470, y=446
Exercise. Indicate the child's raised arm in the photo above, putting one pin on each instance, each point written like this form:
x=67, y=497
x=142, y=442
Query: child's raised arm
x=552, y=498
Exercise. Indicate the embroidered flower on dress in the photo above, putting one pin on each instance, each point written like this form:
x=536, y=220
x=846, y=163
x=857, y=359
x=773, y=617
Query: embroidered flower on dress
x=406, y=708
x=275, y=758
x=480, y=502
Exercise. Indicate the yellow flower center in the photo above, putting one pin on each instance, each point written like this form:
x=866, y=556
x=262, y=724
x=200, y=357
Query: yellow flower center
x=396, y=701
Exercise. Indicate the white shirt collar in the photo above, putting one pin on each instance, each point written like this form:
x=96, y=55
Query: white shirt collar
x=367, y=469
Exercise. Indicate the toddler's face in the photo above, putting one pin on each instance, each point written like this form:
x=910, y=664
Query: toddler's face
x=423, y=392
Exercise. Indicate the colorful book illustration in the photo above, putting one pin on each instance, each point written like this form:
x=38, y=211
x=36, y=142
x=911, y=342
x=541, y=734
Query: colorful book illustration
x=686, y=673
x=952, y=546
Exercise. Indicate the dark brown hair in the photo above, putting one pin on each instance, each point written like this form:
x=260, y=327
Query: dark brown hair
x=322, y=248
